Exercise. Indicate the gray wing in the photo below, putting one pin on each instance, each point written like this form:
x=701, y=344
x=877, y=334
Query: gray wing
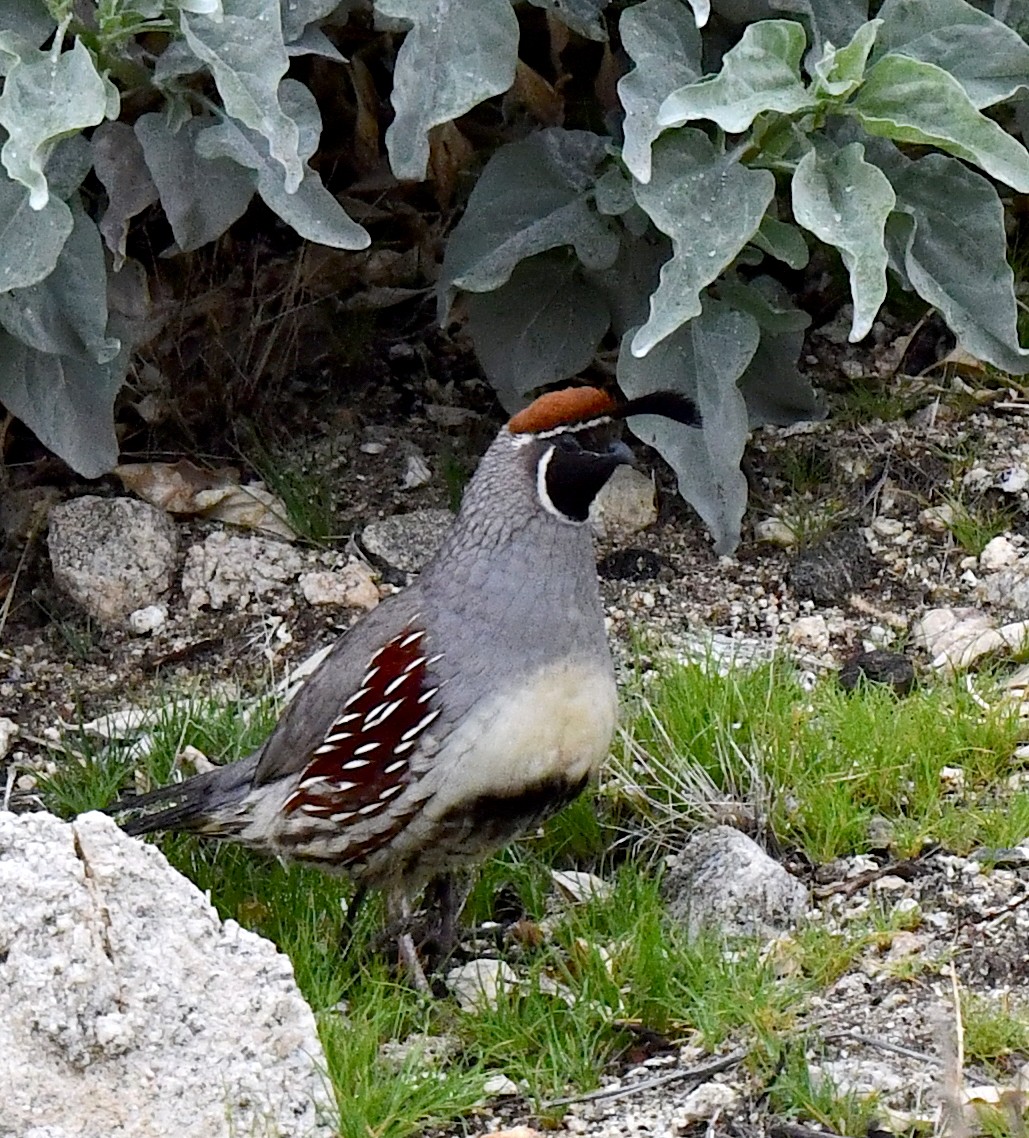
x=317, y=705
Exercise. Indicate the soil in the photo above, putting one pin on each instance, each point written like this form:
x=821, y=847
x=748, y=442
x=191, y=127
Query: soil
x=869, y=560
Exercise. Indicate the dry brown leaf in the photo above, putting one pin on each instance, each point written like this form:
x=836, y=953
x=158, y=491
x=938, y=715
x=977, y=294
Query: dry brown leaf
x=252, y=506
x=366, y=154
x=173, y=486
x=532, y=91
x=450, y=153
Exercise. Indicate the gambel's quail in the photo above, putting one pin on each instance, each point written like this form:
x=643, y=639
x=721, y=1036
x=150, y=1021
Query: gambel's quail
x=463, y=710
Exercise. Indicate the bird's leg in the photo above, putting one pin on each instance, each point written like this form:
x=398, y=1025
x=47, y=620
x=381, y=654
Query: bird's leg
x=398, y=906
x=349, y=925
x=448, y=896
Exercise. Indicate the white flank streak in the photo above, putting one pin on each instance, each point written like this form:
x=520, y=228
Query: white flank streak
x=387, y=711
x=325, y=749
x=365, y=748
x=420, y=726
x=427, y=695
x=344, y=817
x=401, y=749
x=378, y=709
x=359, y=694
x=369, y=676
x=393, y=767
x=338, y=736
x=343, y=786
x=392, y=686
x=345, y=719
x=390, y=791
x=434, y=659
x=354, y=765
x=372, y=807
x=412, y=639
x=313, y=781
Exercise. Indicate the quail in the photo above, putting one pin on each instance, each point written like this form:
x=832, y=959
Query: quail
x=461, y=711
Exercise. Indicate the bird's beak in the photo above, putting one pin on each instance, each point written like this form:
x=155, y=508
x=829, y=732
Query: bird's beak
x=621, y=454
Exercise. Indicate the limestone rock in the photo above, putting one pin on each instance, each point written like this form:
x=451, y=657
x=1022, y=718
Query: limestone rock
x=407, y=541
x=111, y=555
x=626, y=504
x=723, y=880
x=128, y=1007
x=227, y=569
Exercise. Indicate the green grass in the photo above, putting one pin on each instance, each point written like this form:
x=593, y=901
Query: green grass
x=306, y=489
x=809, y=768
x=974, y=525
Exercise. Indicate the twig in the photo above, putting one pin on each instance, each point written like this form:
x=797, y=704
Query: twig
x=883, y=1045
x=8, y=788
x=906, y=870
x=698, y=1074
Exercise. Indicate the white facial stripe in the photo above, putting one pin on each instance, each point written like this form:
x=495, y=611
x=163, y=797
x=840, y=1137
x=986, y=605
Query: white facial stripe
x=523, y=438
x=541, y=489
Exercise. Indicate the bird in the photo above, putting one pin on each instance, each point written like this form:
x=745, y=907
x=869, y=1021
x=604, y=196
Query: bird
x=463, y=710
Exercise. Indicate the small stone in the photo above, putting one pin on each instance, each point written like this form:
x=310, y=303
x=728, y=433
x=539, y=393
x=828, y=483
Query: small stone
x=579, y=887
x=407, y=541
x=1013, y=480
x=887, y=527
x=626, y=504
x=352, y=586
x=776, y=532
x=416, y=472
x=998, y=553
x=147, y=619
x=879, y=667
x=499, y=1086
x=810, y=632
x=372, y=448
x=708, y=1100
x=952, y=778
x=833, y=568
x=8, y=731
x=478, y=984
x=937, y=519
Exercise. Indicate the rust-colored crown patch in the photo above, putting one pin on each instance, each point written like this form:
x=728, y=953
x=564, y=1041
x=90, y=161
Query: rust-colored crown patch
x=562, y=408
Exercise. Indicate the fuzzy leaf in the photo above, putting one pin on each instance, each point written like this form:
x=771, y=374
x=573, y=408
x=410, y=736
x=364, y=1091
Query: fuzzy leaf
x=582, y=16
x=120, y=166
x=845, y=201
x=988, y=59
x=66, y=313
x=911, y=101
x=710, y=206
x=831, y=21
x=664, y=45
x=312, y=211
x=201, y=198
x=247, y=56
x=457, y=53
x=297, y=14
x=44, y=99
x=783, y=241
x=30, y=240
x=761, y=73
x=953, y=250
x=29, y=19
x=67, y=402
x=704, y=361
x=542, y=326
x=532, y=196
x=701, y=11
x=841, y=69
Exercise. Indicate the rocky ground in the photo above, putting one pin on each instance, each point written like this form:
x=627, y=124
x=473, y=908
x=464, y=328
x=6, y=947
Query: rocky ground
x=860, y=526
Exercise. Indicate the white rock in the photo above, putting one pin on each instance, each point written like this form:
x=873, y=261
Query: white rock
x=579, y=887
x=1013, y=480
x=147, y=619
x=776, y=532
x=128, y=1007
x=8, y=731
x=708, y=1101
x=723, y=880
x=998, y=553
x=937, y=519
x=626, y=504
x=887, y=527
x=478, y=984
x=407, y=541
x=225, y=568
x=416, y=472
x=352, y=586
x=111, y=555
x=956, y=638
x=499, y=1085
x=810, y=632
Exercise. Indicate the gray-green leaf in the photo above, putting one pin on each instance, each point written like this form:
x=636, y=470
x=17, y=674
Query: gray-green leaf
x=911, y=101
x=457, y=53
x=67, y=402
x=532, y=196
x=542, y=326
x=704, y=361
x=783, y=241
x=121, y=167
x=840, y=70
x=664, y=45
x=582, y=16
x=43, y=99
x=954, y=249
x=66, y=313
x=761, y=73
x=710, y=206
x=312, y=211
x=200, y=197
x=988, y=59
x=30, y=240
x=845, y=201
x=247, y=56
x=297, y=14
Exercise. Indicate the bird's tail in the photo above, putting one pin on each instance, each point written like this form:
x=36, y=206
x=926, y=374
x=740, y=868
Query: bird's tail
x=206, y=803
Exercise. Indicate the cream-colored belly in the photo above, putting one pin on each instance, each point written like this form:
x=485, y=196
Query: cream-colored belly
x=555, y=727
